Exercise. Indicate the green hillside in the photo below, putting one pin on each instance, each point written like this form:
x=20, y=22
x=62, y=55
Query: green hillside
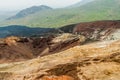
x=95, y=10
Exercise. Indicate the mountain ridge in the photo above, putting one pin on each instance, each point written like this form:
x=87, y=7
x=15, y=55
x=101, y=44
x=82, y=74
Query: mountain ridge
x=30, y=10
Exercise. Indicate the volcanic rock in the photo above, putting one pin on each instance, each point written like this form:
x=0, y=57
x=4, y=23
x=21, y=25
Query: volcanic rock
x=21, y=48
x=97, y=30
x=87, y=62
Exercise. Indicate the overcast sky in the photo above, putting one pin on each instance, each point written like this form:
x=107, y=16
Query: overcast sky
x=20, y=4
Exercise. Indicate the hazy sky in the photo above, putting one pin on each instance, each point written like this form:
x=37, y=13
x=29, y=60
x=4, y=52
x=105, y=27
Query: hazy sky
x=20, y=4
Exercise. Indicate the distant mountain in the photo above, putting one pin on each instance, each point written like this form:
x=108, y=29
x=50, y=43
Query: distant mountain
x=83, y=2
x=29, y=11
x=24, y=31
x=92, y=11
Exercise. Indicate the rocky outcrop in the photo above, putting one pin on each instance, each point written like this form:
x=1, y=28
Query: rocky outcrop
x=97, y=30
x=17, y=49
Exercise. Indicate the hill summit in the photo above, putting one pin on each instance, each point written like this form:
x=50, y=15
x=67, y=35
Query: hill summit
x=30, y=10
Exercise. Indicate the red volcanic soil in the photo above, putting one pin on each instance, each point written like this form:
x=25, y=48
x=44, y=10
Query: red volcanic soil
x=97, y=28
x=92, y=26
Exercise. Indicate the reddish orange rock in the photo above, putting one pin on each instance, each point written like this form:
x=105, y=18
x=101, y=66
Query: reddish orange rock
x=57, y=78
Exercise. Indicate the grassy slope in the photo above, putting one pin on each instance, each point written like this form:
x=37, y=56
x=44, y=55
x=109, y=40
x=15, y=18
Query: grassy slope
x=97, y=10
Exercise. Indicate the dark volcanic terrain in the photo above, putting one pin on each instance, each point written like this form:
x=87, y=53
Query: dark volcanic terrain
x=84, y=51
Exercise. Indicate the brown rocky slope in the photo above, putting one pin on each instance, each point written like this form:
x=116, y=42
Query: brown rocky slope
x=95, y=61
x=17, y=49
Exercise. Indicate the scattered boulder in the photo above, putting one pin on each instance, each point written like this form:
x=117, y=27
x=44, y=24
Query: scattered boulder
x=11, y=40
